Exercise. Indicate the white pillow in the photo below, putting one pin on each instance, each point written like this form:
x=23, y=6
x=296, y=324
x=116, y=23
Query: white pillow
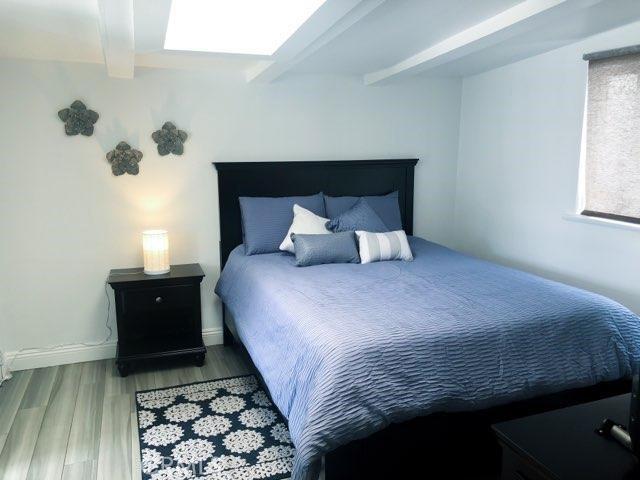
x=306, y=222
x=375, y=247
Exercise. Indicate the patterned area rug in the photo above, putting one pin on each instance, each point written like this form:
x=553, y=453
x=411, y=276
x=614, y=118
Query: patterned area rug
x=218, y=430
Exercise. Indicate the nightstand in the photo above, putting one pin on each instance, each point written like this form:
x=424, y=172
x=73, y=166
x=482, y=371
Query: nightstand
x=563, y=444
x=158, y=316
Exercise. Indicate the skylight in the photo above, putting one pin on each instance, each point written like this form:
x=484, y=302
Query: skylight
x=257, y=27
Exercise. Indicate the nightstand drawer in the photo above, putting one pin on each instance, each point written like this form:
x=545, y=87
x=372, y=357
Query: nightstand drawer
x=160, y=311
x=158, y=298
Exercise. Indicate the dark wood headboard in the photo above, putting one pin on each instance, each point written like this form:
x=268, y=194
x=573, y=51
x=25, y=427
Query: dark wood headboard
x=280, y=179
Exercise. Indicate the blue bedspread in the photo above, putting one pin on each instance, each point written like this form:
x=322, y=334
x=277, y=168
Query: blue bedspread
x=347, y=349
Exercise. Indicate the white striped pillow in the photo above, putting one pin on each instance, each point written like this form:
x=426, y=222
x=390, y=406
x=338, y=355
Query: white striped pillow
x=375, y=247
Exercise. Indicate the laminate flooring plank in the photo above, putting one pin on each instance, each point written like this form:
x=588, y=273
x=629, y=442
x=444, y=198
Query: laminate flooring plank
x=39, y=389
x=145, y=380
x=114, y=383
x=20, y=444
x=213, y=367
x=11, y=394
x=190, y=374
x=49, y=453
x=136, y=469
x=80, y=471
x=93, y=372
x=226, y=362
x=84, y=438
x=114, y=458
x=168, y=377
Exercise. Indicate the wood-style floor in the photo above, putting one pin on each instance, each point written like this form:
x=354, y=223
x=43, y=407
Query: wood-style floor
x=78, y=422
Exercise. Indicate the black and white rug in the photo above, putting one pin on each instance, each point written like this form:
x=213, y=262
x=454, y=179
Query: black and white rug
x=217, y=430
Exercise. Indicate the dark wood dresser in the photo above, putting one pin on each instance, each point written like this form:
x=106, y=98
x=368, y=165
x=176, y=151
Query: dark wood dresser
x=562, y=444
x=158, y=316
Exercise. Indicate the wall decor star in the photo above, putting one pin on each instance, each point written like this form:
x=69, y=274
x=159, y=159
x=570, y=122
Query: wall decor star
x=169, y=139
x=78, y=119
x=124, y=159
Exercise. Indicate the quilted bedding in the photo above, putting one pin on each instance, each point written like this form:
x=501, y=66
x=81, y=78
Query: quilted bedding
x=347, y=349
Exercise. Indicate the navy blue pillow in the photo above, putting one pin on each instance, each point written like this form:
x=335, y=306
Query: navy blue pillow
x=266, y=220
x=325, y=248
x=386, y=206
x=359, y=217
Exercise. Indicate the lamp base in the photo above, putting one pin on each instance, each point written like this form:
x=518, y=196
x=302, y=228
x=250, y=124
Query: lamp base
x=156, y=272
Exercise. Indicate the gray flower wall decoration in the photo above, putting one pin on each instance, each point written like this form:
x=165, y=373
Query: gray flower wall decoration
x=124, y=159
x=78, y=119
x=169, y=139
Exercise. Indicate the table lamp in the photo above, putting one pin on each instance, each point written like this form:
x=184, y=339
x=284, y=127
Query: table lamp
x=155, y=248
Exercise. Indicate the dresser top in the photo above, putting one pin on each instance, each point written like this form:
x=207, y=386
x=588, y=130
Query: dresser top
x=564, y=443
x=127, y=275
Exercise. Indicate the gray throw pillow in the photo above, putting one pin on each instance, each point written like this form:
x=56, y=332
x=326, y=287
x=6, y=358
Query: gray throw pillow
x=359, y=217
x=386, y=206
x=319, y=249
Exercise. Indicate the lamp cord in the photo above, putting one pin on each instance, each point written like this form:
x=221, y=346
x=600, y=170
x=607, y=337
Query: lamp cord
x=5, y=370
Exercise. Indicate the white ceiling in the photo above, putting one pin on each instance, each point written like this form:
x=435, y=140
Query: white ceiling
x=582, y=23
x=398, y=29
x=378, y=40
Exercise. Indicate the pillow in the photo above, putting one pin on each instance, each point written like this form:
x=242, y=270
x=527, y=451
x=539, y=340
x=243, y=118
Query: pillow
x=375, y=247
x=359, y=217
x=386, y=206
x=265, y=220
x=328, y=248
x=304, y=221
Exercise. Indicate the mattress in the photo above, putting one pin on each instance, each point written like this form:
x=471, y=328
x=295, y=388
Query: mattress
x=347, y=349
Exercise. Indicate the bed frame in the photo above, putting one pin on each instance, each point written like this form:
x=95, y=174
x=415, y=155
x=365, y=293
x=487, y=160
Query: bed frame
x=457, y=445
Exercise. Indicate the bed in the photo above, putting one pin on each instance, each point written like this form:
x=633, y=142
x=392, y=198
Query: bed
x=346, y=351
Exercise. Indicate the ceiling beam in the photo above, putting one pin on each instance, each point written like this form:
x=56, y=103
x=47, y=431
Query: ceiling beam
x=332, y=19
x=507, y=24
x=116, y=30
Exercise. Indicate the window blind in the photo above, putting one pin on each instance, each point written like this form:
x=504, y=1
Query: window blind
x=612, y=160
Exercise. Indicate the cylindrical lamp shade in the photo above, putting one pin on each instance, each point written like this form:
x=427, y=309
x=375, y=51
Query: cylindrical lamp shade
x=155, y=248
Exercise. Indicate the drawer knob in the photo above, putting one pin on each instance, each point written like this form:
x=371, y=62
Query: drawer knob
x=158, y=299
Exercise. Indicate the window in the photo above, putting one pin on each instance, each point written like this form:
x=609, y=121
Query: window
x=257, y=27
x=612, y=157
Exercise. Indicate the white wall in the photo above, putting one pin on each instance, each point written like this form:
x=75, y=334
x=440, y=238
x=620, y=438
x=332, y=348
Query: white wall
x=65, y=220
x=518, y=160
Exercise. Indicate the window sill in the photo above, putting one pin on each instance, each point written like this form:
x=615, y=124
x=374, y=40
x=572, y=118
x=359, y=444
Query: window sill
x=605, y=222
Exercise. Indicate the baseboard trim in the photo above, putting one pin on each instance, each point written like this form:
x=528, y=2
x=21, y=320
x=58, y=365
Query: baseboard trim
x=212, y=336
x=81, y=353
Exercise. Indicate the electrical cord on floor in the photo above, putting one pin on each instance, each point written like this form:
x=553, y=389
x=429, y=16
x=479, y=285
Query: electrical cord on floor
x=5, y=369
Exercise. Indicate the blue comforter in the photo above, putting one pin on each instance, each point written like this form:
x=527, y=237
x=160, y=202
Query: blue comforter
x=347, y=349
